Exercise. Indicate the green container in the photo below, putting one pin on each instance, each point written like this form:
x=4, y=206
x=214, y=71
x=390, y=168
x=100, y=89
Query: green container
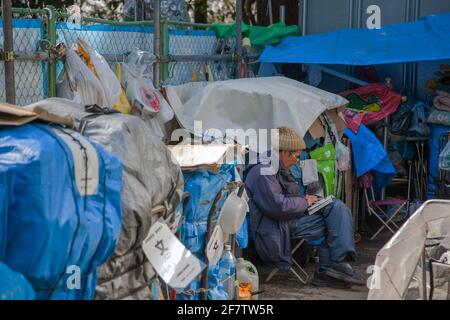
x=326, y=159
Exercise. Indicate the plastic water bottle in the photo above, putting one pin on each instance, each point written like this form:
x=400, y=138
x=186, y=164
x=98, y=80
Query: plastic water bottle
x=227, y=266
x=248, y=279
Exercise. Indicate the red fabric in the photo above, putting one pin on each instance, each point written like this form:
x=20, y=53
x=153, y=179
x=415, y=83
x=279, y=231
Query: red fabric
x=389, y=101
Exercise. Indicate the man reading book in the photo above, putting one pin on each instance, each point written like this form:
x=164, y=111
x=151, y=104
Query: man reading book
x=278, y=213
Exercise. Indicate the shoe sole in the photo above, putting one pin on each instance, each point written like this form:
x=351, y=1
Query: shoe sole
x=320, y=283
x=343, y=277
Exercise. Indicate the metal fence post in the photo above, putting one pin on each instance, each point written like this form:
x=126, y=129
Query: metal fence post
x=10, y=84
x=51, y=38
x=157, y=43
x=164, y=48
x=238, y=37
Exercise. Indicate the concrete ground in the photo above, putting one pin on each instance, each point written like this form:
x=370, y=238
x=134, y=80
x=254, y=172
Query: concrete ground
x=284, y=286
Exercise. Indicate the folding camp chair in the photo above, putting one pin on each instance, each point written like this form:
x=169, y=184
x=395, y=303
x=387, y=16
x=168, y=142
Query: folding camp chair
x=375, y=207
x=300, y=273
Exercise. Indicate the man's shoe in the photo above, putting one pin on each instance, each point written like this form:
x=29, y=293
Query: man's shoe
x=343, y=271
x=322, y=280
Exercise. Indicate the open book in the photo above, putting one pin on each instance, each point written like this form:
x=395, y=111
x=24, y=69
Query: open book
x=320, y=204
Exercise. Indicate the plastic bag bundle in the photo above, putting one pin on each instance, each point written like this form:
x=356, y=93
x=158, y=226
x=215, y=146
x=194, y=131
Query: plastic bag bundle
x=83, y=87
x=61, y=208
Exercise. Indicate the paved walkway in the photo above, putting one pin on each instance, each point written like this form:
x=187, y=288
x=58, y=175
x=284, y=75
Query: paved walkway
x=285, y=286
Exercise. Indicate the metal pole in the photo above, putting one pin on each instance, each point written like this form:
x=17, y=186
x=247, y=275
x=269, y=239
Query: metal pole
x=269, y=7
x=349, y=69
x=414, y=64
x=405, y=65
x=385, y=145
x=360, y=13
x=10, y=84
x=282, y=13
x=342, y=75
x=424, y=274
x=164, y=48
x=238, y=37
x=157, y=43
x=304, y=15
x=51, y=37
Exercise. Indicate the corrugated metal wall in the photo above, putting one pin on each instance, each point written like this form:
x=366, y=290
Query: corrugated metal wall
x=329, y=15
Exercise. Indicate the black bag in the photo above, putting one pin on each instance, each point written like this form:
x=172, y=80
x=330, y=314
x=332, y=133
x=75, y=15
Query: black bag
x=401, y=120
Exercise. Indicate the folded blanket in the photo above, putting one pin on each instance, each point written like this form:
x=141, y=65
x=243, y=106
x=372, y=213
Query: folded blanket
x=442, y=101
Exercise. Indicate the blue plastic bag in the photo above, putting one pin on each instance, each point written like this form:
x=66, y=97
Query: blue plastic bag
x=53, y=234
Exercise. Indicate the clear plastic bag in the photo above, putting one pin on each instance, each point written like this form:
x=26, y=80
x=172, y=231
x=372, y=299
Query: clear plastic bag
x=110, y=83
x=342, y=156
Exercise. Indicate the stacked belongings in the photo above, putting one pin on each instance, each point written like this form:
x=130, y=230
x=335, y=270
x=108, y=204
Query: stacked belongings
x=152, y=188
x=438, y=95
x=61, y=207
x=87, y=79
x=208, y=179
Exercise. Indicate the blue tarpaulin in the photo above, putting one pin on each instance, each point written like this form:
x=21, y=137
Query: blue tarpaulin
x=203, y=186
x=369, y=155
x=49, y=231
x=13, y=285
x=424, y=40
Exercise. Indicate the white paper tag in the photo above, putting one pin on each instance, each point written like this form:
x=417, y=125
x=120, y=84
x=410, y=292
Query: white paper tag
x=176, y=265
x=215, y=246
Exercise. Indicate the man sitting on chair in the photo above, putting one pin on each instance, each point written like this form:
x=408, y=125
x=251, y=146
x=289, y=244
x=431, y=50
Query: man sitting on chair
x=278, y=213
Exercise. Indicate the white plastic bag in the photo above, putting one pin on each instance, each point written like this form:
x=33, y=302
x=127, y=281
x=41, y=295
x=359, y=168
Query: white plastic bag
x=110, y=83
x=85, y=86
x=342, y=156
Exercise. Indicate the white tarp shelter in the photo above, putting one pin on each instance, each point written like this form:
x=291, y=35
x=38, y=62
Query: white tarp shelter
x=251, y=103
x=398, y=264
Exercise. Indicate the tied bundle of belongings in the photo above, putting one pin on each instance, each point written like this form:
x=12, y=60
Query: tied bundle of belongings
x=61, y=205
x=152, y=186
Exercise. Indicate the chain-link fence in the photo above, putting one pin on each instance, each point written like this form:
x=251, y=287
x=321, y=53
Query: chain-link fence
x=30, y=79
x=188, y=52
x=192, y=51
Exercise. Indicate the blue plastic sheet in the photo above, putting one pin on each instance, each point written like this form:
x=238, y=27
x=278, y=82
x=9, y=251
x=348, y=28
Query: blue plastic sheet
x=47, y=225
x=426, y=39
x=14, y=286
x=370, y=156
x=203, y=186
